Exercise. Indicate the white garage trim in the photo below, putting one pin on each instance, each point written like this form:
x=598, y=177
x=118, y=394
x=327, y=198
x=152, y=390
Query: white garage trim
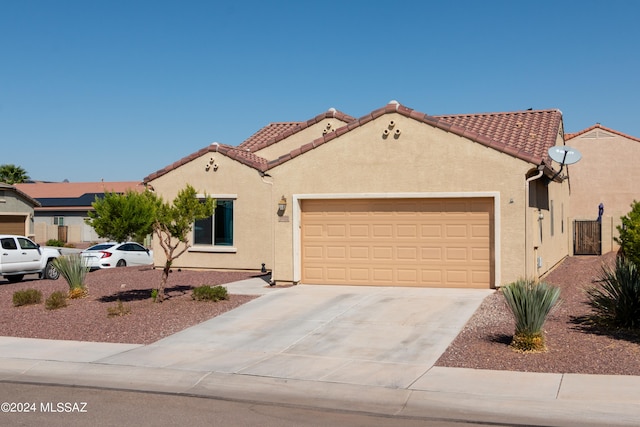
x=297, y=215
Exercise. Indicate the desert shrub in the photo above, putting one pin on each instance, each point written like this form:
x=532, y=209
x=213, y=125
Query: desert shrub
x=530, y=303
x=154, y=294
x=76, y=293
x=208, y=293
x=74, y=270
x=57, y=299
x=55, y=242
x=616, y=298
x=119, y=309
x=27, y=297
x=629, y=234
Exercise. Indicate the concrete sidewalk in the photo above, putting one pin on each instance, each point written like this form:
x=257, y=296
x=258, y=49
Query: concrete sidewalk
x=346, y=348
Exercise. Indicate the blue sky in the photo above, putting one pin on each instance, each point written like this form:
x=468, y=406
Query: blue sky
x=116, y=90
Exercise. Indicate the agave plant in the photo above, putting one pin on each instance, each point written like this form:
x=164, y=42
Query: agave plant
x=530, y=303
x=617, y=299
x=73, y=269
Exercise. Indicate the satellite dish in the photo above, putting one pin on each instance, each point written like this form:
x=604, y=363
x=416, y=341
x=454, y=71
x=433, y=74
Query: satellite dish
x=564, y=155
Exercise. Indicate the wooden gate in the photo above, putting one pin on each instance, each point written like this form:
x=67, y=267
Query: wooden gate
x=587, y=238
x=62, y=233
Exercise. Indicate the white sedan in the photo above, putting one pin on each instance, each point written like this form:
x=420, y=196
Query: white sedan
x=112, y=254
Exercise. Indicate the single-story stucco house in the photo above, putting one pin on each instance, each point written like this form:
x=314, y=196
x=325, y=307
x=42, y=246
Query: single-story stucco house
x=604, y=183
x=16, y=211
x=394, y=198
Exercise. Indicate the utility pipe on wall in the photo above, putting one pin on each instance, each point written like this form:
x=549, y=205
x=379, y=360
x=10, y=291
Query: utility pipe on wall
x=526, y=218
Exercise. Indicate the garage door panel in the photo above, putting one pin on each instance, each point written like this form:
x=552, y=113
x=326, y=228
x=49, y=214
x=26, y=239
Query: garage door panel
x=431, y=230
x=359, y=275
x=431, y=254
x=359, y=253
x=313, y=231
x=314, y=252
x=407, y=253
x=336, y=252
x=382, y=275
x=338, y=274
x=313, y=273
x=405, y=242
x=382, y=231
x=358, y=230
x=456, y=254
x=336, y=230
x=456, y=231
x=382, y=253
x=480, y=254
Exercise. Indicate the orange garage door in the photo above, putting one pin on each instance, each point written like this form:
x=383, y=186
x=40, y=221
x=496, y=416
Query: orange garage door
x=398, y=242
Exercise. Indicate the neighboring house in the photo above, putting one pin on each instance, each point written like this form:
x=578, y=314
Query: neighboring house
x=16, y=211
x=64, y=205
x=607, y=174
x=396, y=197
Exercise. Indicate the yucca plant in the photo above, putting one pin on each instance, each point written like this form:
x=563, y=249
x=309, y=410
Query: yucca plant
x=616, y=300
x=530, y=303
x=74, y=270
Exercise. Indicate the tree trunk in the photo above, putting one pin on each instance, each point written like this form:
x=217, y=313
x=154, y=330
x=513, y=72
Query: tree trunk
x=163, y=282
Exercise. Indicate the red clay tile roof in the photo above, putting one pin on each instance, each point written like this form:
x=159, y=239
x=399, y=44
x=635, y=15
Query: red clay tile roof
x=267, y=134
x=526, y=135
x=275, y=132
x=599, y=126
x=241, y=155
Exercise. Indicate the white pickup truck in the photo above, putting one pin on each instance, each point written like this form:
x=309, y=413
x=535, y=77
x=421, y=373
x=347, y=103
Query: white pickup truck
x=20, y=256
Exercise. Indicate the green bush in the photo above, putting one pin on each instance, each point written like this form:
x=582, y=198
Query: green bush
x=616, y=300
x=530, y=303
x=55, y=242
x=56, y=300
x=27, y=297
x=73, y=269
x=629, y=234
x=208, y=293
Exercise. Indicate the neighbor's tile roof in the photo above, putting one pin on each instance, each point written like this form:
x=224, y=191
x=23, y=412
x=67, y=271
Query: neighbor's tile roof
x=599, y=126
x=39, y=190
x=9, y=187
x=526, y=135
x=73, y=196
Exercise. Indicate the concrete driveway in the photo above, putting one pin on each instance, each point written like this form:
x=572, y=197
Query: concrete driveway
x=357, y=335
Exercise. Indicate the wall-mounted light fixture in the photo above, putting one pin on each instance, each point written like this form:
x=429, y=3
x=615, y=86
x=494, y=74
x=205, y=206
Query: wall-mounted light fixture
x=282, y=206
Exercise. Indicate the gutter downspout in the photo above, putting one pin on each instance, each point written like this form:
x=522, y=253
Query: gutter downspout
x=526, y=217
x=273, y=227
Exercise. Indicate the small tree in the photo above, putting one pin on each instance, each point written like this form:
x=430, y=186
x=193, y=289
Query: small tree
x=173, y=224
x=134, y=215
x=12, y=174
x=629, y=234
x=121, y=217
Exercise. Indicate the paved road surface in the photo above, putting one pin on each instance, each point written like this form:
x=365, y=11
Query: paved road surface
x=77, y=406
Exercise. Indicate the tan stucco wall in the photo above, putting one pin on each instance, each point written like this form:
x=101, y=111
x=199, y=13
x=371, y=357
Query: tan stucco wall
x=421, y=160
x=254, y=215
x=300, y=138
x=608, y=173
